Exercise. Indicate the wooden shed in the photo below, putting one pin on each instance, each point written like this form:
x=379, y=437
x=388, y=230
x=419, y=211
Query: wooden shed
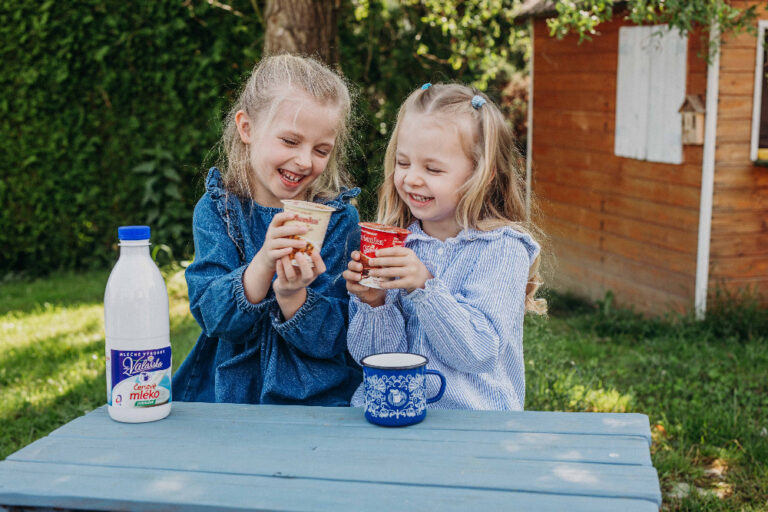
x=628, y=205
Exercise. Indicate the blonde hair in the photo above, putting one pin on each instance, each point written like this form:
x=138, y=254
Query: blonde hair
x=273, y=80
x=493, y=196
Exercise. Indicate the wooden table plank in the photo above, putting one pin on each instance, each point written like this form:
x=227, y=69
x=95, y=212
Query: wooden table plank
x=499, y=458
x=627, y=424
x=93, y=488
x=416, y=440
x=262, y=457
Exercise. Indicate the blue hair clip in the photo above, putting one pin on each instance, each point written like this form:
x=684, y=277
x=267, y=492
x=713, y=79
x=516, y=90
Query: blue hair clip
x=477, y=101
x=426, y=86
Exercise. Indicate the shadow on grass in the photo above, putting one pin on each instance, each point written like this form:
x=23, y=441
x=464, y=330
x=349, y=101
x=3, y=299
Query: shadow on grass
x=44, y=359
x=65, y=290
x=49, y=356
x=44, y=363
x=31, y=422
x=730, y=317
x=701, y=383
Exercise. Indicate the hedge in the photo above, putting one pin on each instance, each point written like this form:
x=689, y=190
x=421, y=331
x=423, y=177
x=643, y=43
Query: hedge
x=109, y=111
x=89, y=92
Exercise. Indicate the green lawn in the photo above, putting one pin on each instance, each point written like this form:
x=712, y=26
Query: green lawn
x=704, y=386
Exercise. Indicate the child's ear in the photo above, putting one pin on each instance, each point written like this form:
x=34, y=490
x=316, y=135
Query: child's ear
x=244, y=127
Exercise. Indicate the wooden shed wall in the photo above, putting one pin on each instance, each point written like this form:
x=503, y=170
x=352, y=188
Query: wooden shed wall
x=614, y=223
x=739, y=243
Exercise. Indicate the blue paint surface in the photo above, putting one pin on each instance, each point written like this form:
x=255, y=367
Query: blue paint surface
x=259, y=457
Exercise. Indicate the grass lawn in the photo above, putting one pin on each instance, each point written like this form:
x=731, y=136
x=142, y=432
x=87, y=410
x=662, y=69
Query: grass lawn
x=704, y=386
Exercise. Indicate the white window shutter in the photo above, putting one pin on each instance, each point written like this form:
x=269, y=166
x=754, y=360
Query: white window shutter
x=668, y=57
x=632, y=93
x=650, y=87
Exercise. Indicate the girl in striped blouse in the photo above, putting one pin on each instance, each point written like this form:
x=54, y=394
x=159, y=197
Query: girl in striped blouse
x=457, y=292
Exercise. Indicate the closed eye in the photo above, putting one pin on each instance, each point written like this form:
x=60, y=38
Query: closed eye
x=288, y=141
x=400, y=163
x=433, y=170
x=323, y=151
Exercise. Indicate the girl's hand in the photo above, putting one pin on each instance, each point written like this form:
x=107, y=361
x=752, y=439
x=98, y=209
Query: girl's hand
x=257, y=277
x=354, y=273
x=403, y=265
x=292, y=279
x=277, y=243
x=290, y=287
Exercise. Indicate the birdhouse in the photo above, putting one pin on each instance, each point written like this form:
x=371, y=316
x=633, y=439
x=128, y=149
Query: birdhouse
x=693, y=119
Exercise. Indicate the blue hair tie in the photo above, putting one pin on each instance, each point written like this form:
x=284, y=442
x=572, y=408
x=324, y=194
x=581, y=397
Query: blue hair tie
x=426, y=86
x=477, y=101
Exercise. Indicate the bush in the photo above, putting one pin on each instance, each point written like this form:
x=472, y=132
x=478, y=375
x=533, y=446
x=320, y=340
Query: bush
x=109, y=110
x=85, y=87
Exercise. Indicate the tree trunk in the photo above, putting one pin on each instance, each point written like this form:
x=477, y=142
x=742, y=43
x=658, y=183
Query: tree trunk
x=302, y=26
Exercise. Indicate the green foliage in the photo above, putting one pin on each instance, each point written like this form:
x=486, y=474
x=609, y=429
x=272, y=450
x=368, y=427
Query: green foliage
x=705, y=394
x=85, y=87
x=161, y=199
x=583, y=17
x=392, y=48
x=736, y=316
x=109, y=110
x=732, y=317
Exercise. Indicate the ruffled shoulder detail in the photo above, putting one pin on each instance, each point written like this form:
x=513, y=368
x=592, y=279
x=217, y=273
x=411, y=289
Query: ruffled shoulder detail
x=508, y=232
x=228, y=206
x=341, y=201
x=416, y=232
x=214, y=184
x=471, y=235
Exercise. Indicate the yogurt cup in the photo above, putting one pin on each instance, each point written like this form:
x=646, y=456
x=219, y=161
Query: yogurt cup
x=315, y=217
x=375, y=236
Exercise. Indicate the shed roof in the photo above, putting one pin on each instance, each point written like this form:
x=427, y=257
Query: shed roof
x=692, y=103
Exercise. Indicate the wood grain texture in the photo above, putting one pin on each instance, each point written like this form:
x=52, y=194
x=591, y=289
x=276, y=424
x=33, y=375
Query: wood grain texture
x=162, y=491
x=737, y=83
x=600, y=204
x=678, y=219
x=631, y=270
x=739, y=243
x=605, y=183
x=226, y=456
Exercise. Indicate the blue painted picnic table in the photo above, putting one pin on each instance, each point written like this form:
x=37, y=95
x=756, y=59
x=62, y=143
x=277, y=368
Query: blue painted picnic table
x=260, y=457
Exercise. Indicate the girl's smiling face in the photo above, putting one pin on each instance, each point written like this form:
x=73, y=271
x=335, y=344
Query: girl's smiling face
x=290, y=150
x=431, y=166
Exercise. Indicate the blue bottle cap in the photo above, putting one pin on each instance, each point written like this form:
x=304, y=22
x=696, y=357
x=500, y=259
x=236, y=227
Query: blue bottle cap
x=133, y=232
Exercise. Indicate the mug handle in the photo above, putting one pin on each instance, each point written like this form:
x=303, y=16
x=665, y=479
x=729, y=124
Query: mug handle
x=442, y=386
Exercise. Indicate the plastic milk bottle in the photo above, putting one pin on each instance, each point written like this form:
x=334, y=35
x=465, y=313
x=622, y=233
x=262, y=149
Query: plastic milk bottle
x=137, y=333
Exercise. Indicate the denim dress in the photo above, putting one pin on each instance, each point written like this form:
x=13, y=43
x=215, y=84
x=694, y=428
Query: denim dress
x=248, y=353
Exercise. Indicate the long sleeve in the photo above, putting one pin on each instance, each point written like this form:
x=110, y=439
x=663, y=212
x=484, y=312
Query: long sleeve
x=375, y=330
x=248, y=353
x=319, y=327
x=466, y=329
x=215, y=279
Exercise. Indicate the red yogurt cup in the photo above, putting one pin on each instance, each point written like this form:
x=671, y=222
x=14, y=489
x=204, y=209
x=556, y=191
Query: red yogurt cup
x=375, y=236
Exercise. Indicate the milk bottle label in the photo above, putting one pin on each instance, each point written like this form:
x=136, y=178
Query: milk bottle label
x=139, y=378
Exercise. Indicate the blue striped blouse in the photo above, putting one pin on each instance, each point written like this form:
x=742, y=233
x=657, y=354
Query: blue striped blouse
x=468, y=320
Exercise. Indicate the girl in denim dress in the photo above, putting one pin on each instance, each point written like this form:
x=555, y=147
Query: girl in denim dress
x=273, y=332
x=457, y=292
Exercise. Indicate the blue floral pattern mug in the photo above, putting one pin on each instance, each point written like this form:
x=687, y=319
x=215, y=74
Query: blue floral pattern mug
x=395, y=388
